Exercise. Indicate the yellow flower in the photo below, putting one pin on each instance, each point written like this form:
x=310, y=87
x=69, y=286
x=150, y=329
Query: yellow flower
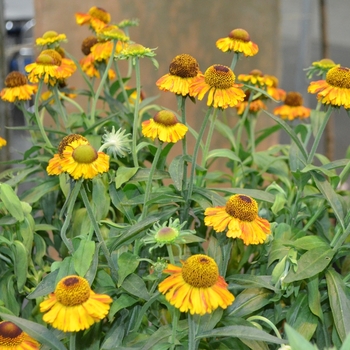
x=240, y=216
x=335, y=90
x=13, y=338
x=256, y=78
x=97, y=18
x=17, y=88
x=3, y=142
x=196, y=287
x=74, y=306
x=112, y=32
x=78, y=158
x=103, y=50
x=218, y=81
x=51, y=67
x=238, y=41
x=164, y=126
x=273, y=90
x=293, y=107
x=50, y=38
x=182, y=70
x=254, y=107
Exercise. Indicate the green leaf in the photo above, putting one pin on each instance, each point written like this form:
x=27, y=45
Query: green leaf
x=123, y=302
x=176, y=170
x=11, y=201
x=249, y=301
x=83, y=256
x=123, y=175
x=311, y=263
x=36, y=192
x=20, y=263
x=314, y=297
x=45, y=287
x=346, y=344
x=252, y=281
x=309, y=242
x=340, y=303
x=135, y=285
x=296, y=340
x=36, y=331
x=127, y=264
x=223, y=153
x=241, y=332
x=326, y=189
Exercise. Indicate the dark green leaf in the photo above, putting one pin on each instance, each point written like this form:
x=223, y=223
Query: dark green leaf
x=11, y=201
x=127, y=264
x=82, y=257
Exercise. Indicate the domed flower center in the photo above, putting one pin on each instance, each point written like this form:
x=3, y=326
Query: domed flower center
x=184, y=66
x=239, y=34
x=256, y=73
x=50, y=34
x=166, y=118
x=242, y=207
x=49, y=58
x=200, y=271
x=10, y=335
x=15, y=79
x=67, y=140
x=99, y=13
x=112, y=32
x=87, y=44
x=293, y=99
x=136, y=49
x=72, y=290
x=166, y=234
x=339, y=77
x=85, y=154
x=325, y=63
x=220, y=77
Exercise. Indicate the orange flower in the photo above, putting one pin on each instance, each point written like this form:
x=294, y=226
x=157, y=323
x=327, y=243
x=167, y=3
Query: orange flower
x=238, y=41
x=97, y=18
x=197, y=286
x=240, y=217
x=293, y=107
x=219, y=82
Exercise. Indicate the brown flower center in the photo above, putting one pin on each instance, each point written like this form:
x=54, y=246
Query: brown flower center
x=165, y=117
x=239, y=34
x=99, y=13
x=184, y=66
x=200, y=271
x=293, y=99
x=339, y=77
x=15, y=79
x=87, y=44
x=10, y=335
x=49, y=58
x=67, y=140
x=242, y=207
x=72, y=290
x=220, y=77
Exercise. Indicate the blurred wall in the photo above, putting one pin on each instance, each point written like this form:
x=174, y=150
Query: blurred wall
x=175, y=27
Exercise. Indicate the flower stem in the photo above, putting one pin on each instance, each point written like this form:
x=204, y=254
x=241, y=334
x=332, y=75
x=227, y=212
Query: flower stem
x=100, y=87
x=234, y=60
x=72, y=341
x=194, y=158
x=136, y=111
x=184, y=140
x=264, y=319
x=226, y=256
x=98, y=233
x=121, y=84
x=66, y=98
x=149, y=182
x=192, y=331
x=37, y=116
x=171, y=255
x=60, y=105
x=319, y=135
x=209, y=136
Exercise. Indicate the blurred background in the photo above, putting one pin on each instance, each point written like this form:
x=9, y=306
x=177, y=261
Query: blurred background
x=290, y=34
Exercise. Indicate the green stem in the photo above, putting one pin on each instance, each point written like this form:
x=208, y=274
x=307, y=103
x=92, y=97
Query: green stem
x=100, y=87
x=319, y=135
x=252, y=123
x=226, y=256
x=70, y=206
x=136, y=111
x=71, y=101
x=122, y=86
x=27, y=117
x=192, y=332
x=234, y=60
x=170, y=253
x=264, y=319
x=72, y=340
x=184, y=140
x=194, y=157
x=37, y=116
x=98, y=233
x=60, y=105
x=337, y=241
x=149, y=182
x=313, y=218
x=175, y=321
x=209, y=136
